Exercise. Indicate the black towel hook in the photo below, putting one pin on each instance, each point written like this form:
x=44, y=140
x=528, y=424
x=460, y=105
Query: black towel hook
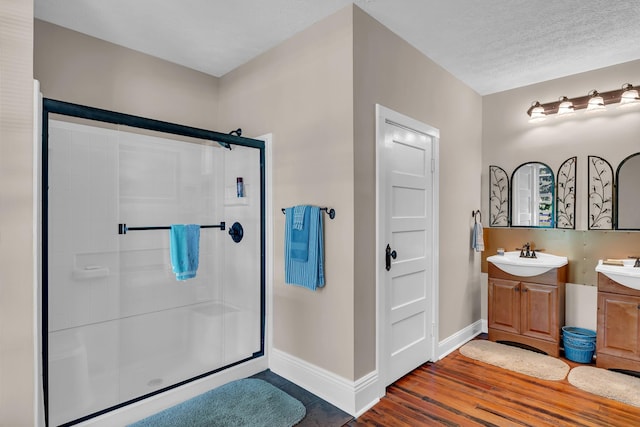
x=475, y=214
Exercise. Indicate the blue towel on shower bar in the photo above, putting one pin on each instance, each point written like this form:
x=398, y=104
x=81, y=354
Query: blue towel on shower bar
x=184, y=249
x=304, y=249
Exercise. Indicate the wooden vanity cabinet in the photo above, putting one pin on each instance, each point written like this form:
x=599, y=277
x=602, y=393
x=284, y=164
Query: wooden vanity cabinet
x=618, y=335
x=527, y=310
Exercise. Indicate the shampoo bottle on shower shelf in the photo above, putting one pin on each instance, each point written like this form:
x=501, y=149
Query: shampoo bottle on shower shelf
x=240, y=187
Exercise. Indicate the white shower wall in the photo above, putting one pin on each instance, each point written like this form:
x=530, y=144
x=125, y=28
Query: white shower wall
x=119, y=324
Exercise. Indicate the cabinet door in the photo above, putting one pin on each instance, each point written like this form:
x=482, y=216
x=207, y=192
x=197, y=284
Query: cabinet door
x=540, y=311
x=618, y=325
x=504, y=305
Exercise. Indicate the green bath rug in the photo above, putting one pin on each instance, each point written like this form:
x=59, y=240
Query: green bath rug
x=247, y=402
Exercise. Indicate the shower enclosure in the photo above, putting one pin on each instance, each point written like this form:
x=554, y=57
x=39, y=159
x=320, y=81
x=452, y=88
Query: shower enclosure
x=117, y=325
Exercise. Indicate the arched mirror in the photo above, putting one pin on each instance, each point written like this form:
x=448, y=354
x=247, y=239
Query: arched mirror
x=627, y=193
x=532, y=196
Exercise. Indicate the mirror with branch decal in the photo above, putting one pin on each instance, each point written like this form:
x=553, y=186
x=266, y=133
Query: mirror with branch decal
x=498, y=197
x=600, y=207
x=566, y=195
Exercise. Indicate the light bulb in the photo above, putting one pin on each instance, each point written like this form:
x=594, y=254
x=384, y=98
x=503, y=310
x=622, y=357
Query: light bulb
x=537, y=113
x=629, y=96
x=596, y=102
x=565, y=107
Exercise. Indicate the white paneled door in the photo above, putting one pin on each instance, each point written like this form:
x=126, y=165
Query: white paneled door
x=407, y=236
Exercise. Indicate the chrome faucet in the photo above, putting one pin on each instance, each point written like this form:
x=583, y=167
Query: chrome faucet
x=637, y=264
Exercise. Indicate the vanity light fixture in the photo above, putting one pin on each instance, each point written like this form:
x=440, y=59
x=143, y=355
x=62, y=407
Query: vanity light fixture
x=566, y=106
x=596, y=102
x=536, y=111
x=629, y=95
x=626, y=96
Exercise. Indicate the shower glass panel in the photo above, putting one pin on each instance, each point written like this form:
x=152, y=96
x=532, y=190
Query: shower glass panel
x=119, y=326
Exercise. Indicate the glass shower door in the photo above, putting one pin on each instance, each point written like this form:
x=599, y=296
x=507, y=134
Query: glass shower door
x=83, y=271
x=119, y=324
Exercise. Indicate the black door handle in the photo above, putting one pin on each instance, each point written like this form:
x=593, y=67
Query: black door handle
x=388, y=255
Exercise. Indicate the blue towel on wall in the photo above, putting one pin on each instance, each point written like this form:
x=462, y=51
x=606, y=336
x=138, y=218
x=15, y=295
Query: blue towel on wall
x=304, y=249
x=299, y=235
x=184, y=249
x=298, y=216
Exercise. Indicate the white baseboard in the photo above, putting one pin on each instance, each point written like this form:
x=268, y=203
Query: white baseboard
x=456, y=340
x=353, y=397
x=159, y=402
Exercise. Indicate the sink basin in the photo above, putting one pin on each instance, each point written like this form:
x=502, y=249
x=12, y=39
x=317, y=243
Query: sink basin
x=627, y=276
x=511, y=263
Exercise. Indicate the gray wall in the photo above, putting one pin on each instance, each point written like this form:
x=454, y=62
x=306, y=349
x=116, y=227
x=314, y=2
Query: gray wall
x=390, y=72
x=76, y=68
x=17, y=391
x=321, y=111
x=301, y=91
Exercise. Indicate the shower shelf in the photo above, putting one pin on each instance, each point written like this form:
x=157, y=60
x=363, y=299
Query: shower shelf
x=90, y=272
x=237, y=201
x=231, y=198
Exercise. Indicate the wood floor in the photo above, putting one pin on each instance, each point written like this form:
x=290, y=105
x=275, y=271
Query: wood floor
x=457, y=391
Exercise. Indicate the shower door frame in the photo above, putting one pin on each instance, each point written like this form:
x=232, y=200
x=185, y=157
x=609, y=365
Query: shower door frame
x=51, y=106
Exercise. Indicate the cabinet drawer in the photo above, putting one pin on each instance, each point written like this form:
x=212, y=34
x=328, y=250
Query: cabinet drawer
x=607, y=285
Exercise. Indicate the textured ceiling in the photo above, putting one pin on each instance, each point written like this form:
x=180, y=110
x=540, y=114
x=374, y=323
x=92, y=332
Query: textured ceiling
x=491, y=45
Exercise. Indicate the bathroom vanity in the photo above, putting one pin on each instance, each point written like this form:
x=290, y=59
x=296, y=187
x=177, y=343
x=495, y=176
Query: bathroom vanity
x=526, y=302
x=618, y=337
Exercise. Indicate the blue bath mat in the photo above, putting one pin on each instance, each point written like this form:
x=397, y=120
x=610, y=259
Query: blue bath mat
x=248, y=402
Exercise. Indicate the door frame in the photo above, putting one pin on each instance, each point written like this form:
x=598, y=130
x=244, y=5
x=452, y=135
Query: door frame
x=383, y=116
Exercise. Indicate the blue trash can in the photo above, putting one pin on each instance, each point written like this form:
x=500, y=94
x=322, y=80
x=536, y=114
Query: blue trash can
x=579, y=343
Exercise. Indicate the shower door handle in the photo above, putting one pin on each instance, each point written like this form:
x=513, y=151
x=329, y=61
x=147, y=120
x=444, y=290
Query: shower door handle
x=236, y=232
x=388, y=255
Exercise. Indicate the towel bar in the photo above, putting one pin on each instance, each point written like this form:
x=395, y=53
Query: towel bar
x=330, y=211
x=123, y=229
